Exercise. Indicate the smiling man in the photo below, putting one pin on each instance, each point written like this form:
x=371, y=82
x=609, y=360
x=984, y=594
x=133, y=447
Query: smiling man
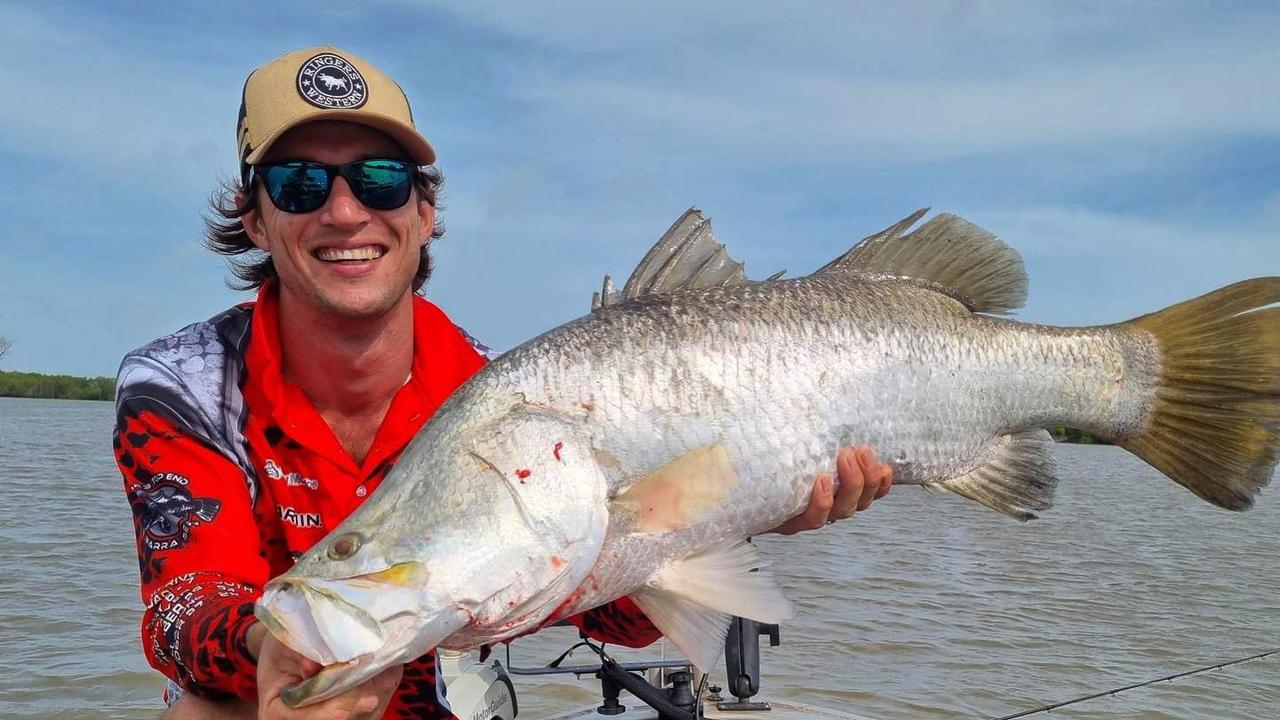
x=244, y=439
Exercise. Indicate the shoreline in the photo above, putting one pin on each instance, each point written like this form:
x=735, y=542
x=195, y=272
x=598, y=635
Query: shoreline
x=38, y=386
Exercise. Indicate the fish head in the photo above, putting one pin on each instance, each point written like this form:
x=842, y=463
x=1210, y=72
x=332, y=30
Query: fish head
x=355, y=604
x=472, y=539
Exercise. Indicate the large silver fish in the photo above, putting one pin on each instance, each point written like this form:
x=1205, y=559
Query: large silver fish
x=631, y=451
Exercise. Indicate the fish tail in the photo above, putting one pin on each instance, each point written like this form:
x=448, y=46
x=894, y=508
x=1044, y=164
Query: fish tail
x=1214, y=427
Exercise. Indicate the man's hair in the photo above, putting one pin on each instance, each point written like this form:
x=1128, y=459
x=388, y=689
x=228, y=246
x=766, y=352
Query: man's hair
x=224, y=231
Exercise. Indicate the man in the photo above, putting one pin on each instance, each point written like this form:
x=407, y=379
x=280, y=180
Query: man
x=244, y=439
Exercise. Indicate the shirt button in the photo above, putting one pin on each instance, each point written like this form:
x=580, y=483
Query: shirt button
x=361, y=491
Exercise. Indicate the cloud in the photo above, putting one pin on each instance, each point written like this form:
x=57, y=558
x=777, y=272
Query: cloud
x=887, y=83
x=1271, y=209
x=112, y=108
x=1089, y=267
x=1127, y=149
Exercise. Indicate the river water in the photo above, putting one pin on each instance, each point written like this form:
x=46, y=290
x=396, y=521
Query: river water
x=927, y=606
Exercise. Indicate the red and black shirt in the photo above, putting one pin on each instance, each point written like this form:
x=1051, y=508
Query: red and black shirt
x=232, y=474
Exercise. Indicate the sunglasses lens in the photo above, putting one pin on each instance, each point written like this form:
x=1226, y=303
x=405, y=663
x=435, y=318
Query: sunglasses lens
x=303, y=187
x=296, y=187
x=381, y=184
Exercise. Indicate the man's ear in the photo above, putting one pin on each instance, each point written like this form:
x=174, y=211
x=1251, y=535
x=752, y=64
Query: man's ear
x=427, y=212
x=252, y=222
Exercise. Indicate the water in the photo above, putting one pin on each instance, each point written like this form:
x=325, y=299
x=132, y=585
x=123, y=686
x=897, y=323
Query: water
x=926, y=607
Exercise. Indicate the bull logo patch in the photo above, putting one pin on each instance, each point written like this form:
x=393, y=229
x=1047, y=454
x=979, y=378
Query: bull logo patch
x=329, y=81
x=166, y=511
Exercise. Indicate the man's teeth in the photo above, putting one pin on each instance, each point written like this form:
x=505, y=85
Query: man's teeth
x=368, y=252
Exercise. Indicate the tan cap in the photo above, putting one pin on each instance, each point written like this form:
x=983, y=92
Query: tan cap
x=322, y=83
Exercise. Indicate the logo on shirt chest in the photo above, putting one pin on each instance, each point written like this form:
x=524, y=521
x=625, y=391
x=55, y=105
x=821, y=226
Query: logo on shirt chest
x=298, y=518
x=291, y=479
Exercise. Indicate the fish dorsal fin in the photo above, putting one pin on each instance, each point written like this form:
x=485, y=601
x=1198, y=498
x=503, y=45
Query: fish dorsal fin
x=687, y=256
x=985, y=274
x=693, y=600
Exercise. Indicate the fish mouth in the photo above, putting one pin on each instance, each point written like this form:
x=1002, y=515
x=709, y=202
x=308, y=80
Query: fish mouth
x=413, y=636
x=334, y=678
x=331, y=681
x=318, y=623
x=338, y=620
x=355, y=627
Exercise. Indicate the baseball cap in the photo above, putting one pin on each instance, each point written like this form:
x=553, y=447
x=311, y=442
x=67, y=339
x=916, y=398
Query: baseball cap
x=322, y=83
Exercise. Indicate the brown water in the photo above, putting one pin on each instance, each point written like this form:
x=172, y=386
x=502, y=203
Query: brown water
x=926, y=607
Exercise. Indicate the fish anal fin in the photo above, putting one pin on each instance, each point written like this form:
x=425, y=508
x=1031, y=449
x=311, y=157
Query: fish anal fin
x=1018, y=480
x=698, y=632
x=693, y=600
x=679, y=493
x=987, y=275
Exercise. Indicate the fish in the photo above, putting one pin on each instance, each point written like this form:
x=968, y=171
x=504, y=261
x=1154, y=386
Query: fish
x=635, y=450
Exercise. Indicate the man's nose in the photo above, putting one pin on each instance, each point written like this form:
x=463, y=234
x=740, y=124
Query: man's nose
x=342, y=208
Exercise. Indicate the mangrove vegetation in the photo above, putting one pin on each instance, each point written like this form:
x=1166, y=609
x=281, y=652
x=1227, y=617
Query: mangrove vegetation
x=63, y=387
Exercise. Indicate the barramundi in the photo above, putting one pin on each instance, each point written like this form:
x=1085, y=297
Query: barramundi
x=632, y=451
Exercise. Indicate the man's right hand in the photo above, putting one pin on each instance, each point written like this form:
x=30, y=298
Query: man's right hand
x=279, y=667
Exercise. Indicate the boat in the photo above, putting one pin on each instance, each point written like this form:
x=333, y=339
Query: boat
x=647, y=689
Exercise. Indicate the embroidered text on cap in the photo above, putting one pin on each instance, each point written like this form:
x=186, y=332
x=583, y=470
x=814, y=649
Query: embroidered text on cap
x=329, y=81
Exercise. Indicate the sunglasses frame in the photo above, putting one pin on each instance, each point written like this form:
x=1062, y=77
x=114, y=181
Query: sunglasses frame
x=346, y=171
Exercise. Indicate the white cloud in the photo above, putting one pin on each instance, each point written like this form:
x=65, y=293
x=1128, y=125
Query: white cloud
x=1271, y=210
x=887, y=82
x=573, y=133
x=1089, y=266
x=114, y=109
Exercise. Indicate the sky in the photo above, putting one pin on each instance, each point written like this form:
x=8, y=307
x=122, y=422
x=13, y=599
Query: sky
x=1130, y=151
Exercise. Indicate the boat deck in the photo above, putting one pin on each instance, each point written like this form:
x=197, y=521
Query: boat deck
x=779, y=710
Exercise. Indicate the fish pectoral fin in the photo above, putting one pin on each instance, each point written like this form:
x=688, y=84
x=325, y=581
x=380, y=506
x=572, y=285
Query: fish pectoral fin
x=1018, y=480
x=693, y=600
x=962, y=258
x=687, y=256
x=680, y=493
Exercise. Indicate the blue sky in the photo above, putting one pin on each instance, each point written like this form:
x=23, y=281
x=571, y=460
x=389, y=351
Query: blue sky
x=1129, y=150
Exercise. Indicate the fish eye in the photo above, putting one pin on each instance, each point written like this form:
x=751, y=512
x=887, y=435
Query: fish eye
x=345, y=546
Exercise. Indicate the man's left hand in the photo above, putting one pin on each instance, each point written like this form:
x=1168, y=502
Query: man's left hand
x=863, y=479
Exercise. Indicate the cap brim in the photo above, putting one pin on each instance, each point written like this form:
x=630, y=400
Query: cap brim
x=420, y=151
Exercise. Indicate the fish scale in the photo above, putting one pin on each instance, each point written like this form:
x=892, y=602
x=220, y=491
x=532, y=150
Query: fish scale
x=632, y=451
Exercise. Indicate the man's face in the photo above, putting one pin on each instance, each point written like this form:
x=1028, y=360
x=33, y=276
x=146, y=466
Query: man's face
x=345, y=259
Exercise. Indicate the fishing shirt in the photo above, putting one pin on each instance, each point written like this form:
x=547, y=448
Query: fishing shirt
x=232, y=474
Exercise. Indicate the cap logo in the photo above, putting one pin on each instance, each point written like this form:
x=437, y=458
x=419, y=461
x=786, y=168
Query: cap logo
x=329, y=81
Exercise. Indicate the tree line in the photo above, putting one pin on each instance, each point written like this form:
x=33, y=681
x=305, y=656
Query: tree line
x=65, y=387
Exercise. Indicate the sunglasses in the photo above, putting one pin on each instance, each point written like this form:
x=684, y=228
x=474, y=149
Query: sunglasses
x=301, y=186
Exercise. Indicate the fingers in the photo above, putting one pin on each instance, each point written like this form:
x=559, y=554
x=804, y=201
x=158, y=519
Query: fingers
x=879, y=474
x=279, y=666
x=862, y=480
x=853, y=484
x=871, y=472
x=821, y=500
x=815, y=515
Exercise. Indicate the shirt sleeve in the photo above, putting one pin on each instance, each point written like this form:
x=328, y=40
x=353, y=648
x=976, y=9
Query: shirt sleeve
x=199, y=552
x=620, y=622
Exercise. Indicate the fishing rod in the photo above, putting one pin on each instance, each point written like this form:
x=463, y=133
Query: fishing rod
x=1197, y=671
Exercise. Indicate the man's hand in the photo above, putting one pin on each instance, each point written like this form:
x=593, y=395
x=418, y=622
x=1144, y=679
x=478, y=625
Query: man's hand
x=863, y=479
x=279, y=666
